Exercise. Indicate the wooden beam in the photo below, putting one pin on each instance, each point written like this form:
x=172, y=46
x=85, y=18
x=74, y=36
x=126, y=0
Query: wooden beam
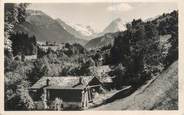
x=93, y=86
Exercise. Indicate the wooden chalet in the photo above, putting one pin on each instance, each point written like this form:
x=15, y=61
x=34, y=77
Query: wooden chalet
x=74, y=91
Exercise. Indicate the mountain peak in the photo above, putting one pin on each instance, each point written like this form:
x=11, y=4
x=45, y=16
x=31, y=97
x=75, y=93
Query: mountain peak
x=117, y=20
x=85, y=30
x=115, y=26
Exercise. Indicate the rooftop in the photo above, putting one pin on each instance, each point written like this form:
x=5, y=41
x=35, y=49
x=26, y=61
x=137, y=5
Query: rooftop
x=63, y=82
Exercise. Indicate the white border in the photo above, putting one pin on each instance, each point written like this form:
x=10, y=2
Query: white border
x=128, y=112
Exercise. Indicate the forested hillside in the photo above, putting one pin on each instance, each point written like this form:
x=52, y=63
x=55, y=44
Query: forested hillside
x=141, y=50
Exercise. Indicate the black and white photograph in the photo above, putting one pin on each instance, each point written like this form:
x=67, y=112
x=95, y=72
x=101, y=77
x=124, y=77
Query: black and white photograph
x=91, y=56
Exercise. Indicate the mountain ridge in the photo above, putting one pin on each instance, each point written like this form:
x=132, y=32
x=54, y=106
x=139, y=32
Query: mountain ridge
x=115, y=26
x=78, y=30
x=46, y=29
x=106, y=36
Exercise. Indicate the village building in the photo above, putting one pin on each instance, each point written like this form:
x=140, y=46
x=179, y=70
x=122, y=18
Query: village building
x=71, y=91
x=53, y=46
x=30, y=57
x=25, y=57
x=105, y=79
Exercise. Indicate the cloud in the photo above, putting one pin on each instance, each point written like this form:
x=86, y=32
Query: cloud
x=120, y=7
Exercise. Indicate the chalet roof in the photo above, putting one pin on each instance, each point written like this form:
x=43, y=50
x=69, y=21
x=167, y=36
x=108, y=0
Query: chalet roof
x=63, y=82
x=106, y=79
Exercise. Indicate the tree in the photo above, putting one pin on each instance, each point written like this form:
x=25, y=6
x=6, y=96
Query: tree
x=89, y=63
x=25, y=100
x=40, y=52
x=23, y=44
x=38, y=71
x=121, y=50
x=137, y=49
x=97, y=58
x=173, y=50
x=14, y=14
x=119, y=72
x=88, y=67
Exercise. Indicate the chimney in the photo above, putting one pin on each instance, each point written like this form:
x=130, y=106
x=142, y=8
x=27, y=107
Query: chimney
x=47, y=82
x=79, y=83
x=80, y=80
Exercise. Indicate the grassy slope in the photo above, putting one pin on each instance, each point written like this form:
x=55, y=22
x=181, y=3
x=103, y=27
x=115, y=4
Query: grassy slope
x=159, y=93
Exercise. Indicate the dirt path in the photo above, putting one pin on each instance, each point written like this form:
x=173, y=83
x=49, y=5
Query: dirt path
x=159, y=93
x=111, y=96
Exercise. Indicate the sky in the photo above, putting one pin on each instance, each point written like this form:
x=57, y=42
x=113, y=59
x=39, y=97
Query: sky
x=99, y=15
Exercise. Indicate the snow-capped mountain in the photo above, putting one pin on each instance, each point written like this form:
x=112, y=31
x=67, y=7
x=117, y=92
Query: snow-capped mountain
x=78, y=30
x=106, y=36
x=88, y=33
x=84, y=30
x=115, y=26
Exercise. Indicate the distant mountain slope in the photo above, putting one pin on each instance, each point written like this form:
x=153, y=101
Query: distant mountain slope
x=160, y=93
x=106, y=36
x=46, y=29
x=118, y=27
x=115, y=26
x=79, y=31
x=84, y=30
x=100, y=41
